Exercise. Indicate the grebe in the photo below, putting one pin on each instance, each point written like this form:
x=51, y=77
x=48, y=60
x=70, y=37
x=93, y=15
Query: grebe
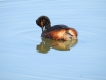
x=56, y=32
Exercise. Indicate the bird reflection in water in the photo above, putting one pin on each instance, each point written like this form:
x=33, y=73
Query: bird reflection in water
x=59, y=45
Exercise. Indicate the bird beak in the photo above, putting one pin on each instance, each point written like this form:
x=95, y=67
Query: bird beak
x=42, y=25
x=42, y=29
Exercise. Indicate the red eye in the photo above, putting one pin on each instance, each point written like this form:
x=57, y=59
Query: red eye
x=41, y=23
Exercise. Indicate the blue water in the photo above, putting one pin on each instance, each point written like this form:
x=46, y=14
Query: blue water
x=20, y=37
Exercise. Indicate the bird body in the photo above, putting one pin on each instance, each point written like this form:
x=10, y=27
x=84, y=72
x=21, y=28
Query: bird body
x=56, y=32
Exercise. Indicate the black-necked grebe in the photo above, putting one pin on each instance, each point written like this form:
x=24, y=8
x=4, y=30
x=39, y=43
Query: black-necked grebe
x=56, y=32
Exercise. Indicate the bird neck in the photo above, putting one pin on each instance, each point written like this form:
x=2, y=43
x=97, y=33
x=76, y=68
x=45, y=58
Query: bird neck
x=47, y=26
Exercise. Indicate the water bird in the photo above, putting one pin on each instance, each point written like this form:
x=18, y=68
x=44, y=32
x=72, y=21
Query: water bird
x=56, y=32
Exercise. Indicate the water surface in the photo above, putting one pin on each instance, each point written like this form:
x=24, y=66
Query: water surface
x=22, y=56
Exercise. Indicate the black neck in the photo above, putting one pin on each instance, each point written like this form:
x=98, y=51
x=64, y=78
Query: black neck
x=47, y=26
